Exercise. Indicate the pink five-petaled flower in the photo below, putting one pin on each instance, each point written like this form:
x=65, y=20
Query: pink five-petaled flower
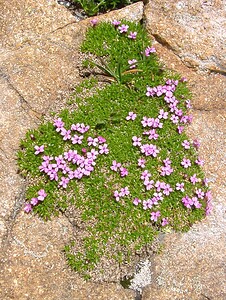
x=186, y=163
x=180, y=186
x=145, y=175
x=115, y=166
x=167, y=189
x=180, y=129
x=166, y=170
x=94, y=22
x=101, y=139
x=199, y=161
x=58, y=123
x=155, y=215
x=163, y=114
x=165, y=222
x=149, y=50
x=77, y=139
x=141, y=162
x=149, y=149
x=196, y=202
x=41, y=195
x=194, y=179
x=103, y=149
x=92, y=142
x=39, y=149
x=123, y=28
x=188, y=202
x=64, y=182
x=27, y=207
x=124, y=191
x=132, y=63
x=34, y=201
x=117, y=195
x=200, y=194
x=186, y=144
x=131, y=116
x=152, y=134
x=115, y=22
x=136, y=141
x=123, y=172
x=136, y=201
x=132, y=35
x=66, y=134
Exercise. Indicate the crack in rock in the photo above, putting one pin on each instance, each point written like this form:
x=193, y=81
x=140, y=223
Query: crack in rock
x=21, y=98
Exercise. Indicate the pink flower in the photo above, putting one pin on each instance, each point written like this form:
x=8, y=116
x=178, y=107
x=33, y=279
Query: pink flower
x=166, y=170
x=131, y=116
x=155, y=215
x=123, y=172
x=124, y=191
x=115, y=166
x=132, y=63
x=77, y=139
x=149, y=50
x=141, y=162
x=183, y=79
x=41, y=195
x=58, y=123
x=39, y=149
x=199, y=161
x=188, y=202
x=123, y=28
x=188, y=104
x=180, y=129
x=115, y=22
x=64, y=182
x=163, y=114
x=136, y=141
x=149, y=149
x=103, y=149
x=200, y=194
x=145, y=174
x=165, y=222
x=34, y=201
x=194, y=179
x=27, y=207
x=92, y=142
x=116, y=195
x=180, y=186
x=66, y=134
x=101, y=139
x=186, y=144
x=94, y=22
x=167, y=189
x=132, y=35
x=186, y=163
x=136, y=201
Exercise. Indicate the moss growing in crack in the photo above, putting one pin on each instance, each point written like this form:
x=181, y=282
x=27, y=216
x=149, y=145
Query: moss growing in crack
x=122, y=158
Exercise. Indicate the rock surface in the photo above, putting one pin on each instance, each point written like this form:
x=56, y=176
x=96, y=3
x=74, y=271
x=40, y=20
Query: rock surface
x=39, y=52
x=194, y=30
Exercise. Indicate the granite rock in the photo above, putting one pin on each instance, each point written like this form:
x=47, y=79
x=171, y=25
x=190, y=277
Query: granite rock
x=194, y=30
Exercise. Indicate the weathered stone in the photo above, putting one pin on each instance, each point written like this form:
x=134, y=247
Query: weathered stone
x=194, y=30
